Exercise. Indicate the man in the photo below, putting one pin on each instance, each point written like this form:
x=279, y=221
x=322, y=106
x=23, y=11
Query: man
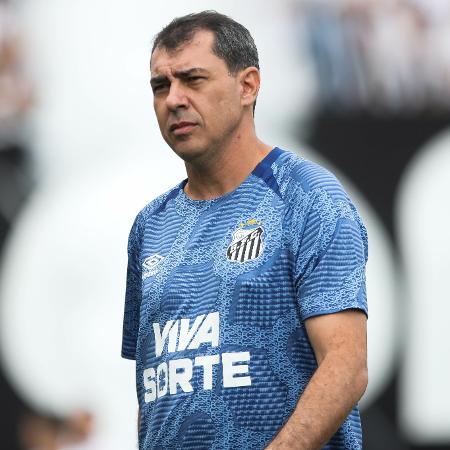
x=245, y=304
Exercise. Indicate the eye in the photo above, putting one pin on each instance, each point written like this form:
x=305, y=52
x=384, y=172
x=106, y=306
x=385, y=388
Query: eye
x=159, y=88
x=195, y=78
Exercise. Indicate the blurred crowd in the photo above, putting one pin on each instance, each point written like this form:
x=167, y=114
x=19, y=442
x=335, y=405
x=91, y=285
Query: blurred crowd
x=15, y=88
x=391, y=56
x=15, y=102
x=33, y=430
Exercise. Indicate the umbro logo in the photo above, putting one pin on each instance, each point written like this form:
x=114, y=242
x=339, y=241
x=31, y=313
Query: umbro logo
x=150, y=266
x=247, y=242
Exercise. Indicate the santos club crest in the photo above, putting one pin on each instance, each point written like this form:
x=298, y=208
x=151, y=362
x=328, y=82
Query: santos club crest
x=247, y=242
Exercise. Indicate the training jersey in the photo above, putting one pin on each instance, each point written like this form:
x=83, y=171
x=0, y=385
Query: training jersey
x=218, y=292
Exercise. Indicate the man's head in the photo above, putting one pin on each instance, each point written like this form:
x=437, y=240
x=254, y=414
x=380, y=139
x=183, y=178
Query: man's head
x=232, y=41
x=205, y=79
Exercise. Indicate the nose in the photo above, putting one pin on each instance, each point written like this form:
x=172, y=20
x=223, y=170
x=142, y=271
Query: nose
x=176, y=97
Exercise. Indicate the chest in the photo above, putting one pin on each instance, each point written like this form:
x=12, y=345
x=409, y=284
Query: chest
x=195, y=262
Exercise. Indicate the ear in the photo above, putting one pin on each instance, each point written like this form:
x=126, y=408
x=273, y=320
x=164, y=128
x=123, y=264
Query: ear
x=250, y=80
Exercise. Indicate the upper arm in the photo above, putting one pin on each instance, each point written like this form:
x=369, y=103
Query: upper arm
x=329, y=245
x=344, y=333
x=330, y=261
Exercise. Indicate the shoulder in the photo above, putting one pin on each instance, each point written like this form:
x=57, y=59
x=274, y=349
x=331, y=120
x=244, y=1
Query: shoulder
x=316, y=202
x=296, y=174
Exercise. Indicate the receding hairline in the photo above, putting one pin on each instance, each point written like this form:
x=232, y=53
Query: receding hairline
x=189, y=40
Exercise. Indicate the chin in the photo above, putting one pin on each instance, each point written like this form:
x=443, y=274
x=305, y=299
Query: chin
x=188, y=153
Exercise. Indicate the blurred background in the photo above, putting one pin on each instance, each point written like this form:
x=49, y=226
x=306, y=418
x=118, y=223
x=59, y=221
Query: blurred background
x=360, y=86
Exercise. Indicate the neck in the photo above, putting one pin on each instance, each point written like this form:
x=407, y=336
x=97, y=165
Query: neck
x=226, y=168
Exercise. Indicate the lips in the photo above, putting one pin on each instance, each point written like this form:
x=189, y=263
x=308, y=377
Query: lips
x=182, y=127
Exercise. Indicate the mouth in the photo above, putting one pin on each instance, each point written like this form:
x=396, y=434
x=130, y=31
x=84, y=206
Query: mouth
x=180, y=128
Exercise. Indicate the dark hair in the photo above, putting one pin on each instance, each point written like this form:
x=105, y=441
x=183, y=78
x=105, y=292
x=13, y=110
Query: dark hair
x=233, y=42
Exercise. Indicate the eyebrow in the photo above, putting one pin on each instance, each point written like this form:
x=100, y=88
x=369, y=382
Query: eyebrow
x=181, y=74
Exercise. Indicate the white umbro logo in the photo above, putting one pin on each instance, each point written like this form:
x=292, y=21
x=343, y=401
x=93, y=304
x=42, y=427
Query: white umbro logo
x=150, y=266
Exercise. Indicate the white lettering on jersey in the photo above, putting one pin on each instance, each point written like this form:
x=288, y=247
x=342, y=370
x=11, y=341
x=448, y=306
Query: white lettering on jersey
x=204, y=330
x=161, y=379
x=173, y=333
x=231, y=368
x=208, y=332
x=175, y=374
x=207, y=362
x=160, y=339
x=150, y=385
x=186, y=333
x=180, y=373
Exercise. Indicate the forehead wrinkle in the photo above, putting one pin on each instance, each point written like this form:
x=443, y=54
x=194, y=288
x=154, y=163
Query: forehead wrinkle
x=178, y=73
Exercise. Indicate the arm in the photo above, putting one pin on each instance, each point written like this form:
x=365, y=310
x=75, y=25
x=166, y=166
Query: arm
x=340, y=345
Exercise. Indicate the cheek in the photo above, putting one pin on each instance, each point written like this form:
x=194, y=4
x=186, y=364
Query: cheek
x=228, y=110
x=230, y=100
x=160, y=116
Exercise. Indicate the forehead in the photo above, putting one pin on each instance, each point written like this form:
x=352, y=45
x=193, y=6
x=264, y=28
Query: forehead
x=195, y=53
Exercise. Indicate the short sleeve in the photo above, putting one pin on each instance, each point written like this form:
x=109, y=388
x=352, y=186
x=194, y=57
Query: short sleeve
x=132, y=292
x=331, y=259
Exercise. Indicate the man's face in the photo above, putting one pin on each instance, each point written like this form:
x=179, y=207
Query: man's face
x=196, y=100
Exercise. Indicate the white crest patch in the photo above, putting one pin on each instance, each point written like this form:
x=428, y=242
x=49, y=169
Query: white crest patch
x=247, y=242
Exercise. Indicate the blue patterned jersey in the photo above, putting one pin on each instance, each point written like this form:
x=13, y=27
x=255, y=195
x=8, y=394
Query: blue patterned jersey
x=217, y=295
